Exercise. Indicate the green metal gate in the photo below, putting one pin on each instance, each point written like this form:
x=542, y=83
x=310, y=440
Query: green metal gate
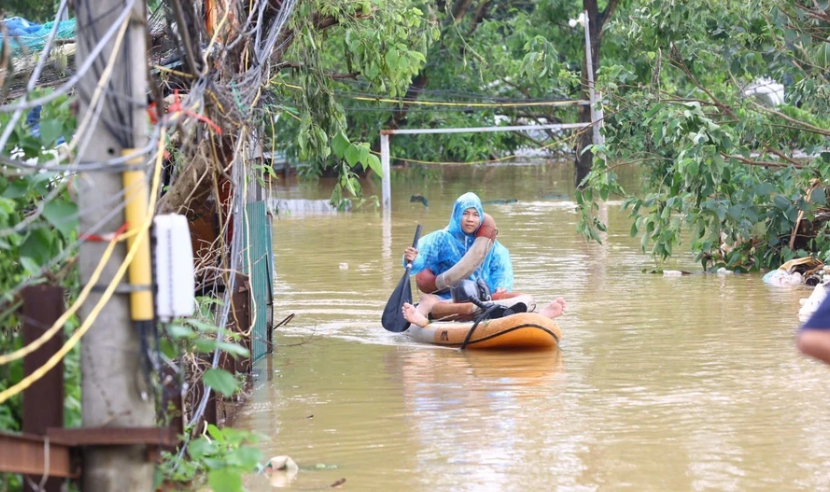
x=258, y=265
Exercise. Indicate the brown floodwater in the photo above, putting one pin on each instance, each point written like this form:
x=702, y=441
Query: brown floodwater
x=660, y=383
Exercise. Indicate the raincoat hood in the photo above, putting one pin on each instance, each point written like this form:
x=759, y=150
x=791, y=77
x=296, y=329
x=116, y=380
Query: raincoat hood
x=465, y=201
x=440, y=250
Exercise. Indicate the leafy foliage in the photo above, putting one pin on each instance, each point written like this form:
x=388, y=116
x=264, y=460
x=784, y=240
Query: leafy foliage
x=221, y=456
x=722, y=169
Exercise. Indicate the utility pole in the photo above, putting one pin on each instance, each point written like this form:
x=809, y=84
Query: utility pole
x=114, y=392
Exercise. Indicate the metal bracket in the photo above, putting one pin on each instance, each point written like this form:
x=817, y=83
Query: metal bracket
x=113, y=436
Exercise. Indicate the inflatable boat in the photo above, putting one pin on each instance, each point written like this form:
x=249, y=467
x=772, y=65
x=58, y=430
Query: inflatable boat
x=517, y=331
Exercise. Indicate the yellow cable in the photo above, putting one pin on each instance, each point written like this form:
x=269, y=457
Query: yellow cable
x=56, y=327
x=93, y=315
x=566, y=102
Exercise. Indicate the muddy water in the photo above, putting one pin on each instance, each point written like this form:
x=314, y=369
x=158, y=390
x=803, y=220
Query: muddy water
x=688, y=383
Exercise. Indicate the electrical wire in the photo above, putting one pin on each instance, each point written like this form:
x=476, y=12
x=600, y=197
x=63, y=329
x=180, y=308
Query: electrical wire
x=105, y=297
x=81, y=71
x=30, y=86
x=415, y=102
x=58, y=324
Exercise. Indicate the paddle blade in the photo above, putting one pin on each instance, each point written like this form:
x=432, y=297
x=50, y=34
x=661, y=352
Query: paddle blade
x=392, y=318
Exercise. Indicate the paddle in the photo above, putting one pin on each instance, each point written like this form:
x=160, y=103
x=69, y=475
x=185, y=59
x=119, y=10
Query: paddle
x=392, y=318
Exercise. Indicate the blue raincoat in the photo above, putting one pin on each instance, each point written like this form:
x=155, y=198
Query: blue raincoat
x=440, y=250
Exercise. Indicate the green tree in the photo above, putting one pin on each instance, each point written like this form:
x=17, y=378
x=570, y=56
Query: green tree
x=743, y=180
x=32, y=10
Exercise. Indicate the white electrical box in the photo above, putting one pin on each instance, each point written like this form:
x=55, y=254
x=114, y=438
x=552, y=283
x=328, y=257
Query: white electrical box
x=175, y=282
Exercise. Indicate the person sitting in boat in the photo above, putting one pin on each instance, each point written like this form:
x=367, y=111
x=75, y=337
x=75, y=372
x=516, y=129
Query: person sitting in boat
x=458, y=252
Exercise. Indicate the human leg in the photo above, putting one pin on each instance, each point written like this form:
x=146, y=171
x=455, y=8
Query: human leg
x=554, y=309
x=411, y=314
x=419, y=315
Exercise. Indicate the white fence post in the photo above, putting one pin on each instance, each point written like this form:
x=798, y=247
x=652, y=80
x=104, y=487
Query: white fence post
x=384, y=164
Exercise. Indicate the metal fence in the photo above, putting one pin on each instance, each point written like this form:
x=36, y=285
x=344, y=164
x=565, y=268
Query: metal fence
x=258, y=265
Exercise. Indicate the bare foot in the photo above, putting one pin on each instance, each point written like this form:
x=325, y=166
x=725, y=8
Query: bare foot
x=554, y=309
x=411, y=314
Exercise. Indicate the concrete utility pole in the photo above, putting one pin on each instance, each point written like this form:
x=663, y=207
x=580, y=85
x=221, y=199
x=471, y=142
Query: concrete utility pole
x=114, y=393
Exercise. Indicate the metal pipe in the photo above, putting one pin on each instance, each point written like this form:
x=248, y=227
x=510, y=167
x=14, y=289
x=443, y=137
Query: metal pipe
x=565, y=126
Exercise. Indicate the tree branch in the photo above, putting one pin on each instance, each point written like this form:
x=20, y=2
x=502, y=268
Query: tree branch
x=752, y=162
x=815, y=129
x=607, y=13
x=678, y=62
x=482, y=12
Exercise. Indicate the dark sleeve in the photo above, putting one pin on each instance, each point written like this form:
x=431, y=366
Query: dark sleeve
x=820, y=320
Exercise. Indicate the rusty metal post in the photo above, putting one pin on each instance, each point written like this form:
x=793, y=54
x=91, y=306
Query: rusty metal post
x=171, y=408
x=43, y=401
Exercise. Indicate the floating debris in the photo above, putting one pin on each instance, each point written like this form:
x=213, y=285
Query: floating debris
x=282, y=470
x=419, y=198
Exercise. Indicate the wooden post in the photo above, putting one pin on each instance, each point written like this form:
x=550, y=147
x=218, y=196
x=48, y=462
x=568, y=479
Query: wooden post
x=43, y=401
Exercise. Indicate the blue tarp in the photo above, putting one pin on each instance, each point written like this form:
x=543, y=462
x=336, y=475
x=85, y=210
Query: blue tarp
x=27, y=37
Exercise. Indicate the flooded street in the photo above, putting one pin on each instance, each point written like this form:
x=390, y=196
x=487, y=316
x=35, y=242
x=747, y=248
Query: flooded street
x=660, y=383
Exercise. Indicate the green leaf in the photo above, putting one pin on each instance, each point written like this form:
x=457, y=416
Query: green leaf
x=38, y=246
x=781, y=202
x=17, y=189
x=364, y=155
x=371, y=71
x=201, y=447
x=224, y=480
x=352, y=154
x=180, y=331
x=63, y=215
x=818, y=196
x=201, y=325
x=339, y=144
x=392, y=59
x=50, y=131
x=209, y=345
x=30, y=265
x=375, y=165
x=232, y=349
x=246, y=457
x=220, y=380
x=216, y=434
x=763, y=189
x=693, y=168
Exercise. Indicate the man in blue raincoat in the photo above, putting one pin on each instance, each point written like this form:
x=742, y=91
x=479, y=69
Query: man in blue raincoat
x=441, y=250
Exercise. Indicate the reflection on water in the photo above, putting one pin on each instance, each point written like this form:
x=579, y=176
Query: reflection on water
x=686, y=383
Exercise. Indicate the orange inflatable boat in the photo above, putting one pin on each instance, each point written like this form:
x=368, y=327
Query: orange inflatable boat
x=517, y=331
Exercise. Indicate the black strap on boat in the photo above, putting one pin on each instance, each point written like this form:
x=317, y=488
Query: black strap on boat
x=487, y=310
